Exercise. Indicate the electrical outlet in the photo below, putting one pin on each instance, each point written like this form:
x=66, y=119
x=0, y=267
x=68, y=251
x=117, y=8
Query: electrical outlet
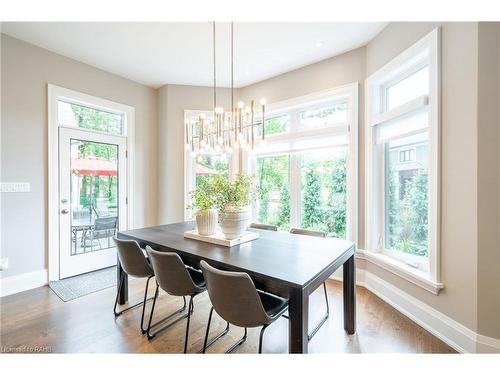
x=4, y=264
x=15, y=187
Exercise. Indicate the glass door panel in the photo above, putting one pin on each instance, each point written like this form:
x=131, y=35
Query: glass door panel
x=93, y=199
x=94, y=195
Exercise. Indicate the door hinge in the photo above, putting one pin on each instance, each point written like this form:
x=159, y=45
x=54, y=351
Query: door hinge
x=126, y=200
x=126, y=153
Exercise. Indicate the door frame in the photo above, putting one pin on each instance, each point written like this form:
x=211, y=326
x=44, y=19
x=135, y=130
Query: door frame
x=54, y=93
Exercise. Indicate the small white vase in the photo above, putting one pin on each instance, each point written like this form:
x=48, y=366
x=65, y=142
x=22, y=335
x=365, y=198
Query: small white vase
x=233, y=222
x=206, y=222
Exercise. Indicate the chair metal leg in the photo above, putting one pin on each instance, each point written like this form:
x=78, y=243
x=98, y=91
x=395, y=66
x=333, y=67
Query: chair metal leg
x=143, y=330
x=148, y=331
x=120, y=282
x=208, y=344
x=261, y=336
x=324, y=319
x=190, y=312
x=143, y=303
x=237, y=343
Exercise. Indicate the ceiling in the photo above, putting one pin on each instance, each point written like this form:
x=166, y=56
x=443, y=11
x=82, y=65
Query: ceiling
x=155, y=54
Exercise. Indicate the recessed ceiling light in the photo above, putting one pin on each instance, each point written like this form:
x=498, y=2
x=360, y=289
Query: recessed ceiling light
x=247, y=72
x=319, y=44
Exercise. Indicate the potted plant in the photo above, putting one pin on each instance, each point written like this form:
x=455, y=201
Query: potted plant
x=234, y=199
x=204, y=200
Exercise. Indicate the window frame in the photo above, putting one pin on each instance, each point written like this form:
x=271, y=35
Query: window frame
x=346, y=93
x=424, y=52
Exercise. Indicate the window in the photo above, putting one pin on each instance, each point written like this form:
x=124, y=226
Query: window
x=402, y=159
x=406, y=155
x=307, y=173
x=324, y=115
x=275, y=125
x=82, y=116
x=324, y=190
x=207, y=166
x=411, y=87
x=273, y=182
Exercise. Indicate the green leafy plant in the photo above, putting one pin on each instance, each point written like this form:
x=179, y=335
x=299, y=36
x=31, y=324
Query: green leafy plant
x=235, y=194
x=204, y=196
x=221, y=193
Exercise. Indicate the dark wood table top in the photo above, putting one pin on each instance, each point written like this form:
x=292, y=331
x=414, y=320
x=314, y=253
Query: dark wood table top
x=290, y=258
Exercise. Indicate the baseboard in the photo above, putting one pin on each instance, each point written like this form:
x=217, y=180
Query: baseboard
x=20, y=283
x=487, y=344
x=456, y=335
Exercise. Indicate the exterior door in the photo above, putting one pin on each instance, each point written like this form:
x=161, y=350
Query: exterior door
x=92, y=199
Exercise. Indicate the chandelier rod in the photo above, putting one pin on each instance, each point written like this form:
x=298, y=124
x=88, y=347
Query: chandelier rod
x=232, y=74
x=215, y=71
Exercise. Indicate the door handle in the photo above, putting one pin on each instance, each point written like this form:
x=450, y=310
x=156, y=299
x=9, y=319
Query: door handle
x=64, y=211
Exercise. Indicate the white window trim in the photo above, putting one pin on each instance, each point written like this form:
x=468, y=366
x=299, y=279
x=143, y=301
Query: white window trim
x=374, y=206
x=55, y=93
x=189, y=164
x=351, y=93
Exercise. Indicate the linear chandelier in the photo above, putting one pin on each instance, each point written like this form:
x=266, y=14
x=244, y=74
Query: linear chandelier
x=222, y=132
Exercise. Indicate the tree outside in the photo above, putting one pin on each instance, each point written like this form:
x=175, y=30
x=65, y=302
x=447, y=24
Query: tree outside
x=407, y=209
x=323, y=191
x=273, y=206
x=212, y=165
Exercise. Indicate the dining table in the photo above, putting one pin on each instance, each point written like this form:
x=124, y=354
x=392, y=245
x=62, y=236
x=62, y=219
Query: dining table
x=289, y=265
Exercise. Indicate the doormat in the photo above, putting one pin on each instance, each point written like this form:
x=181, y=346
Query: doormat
x=81, y=285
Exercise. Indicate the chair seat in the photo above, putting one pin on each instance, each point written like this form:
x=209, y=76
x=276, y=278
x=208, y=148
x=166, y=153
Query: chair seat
x=197, y=277
x=272, y=304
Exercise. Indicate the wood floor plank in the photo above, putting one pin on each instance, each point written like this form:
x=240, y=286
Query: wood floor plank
x=87, y=324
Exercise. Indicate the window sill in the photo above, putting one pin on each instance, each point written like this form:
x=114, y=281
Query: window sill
x=402, y=270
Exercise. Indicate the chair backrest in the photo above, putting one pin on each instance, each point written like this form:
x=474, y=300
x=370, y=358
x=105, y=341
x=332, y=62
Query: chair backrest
x=171, y=273
x=307, y=232
x=234, y=297
x=264, y=226
x=132, y=259
x=105, y=223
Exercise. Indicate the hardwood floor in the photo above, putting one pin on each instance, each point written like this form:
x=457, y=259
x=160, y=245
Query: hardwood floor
x=38, y=318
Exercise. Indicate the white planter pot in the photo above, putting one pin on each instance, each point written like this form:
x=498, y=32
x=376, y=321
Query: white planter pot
x=233, y=222
x=206, y=222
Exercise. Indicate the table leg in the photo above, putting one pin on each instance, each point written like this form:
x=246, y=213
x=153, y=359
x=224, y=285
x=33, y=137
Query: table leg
x=124, y=290
x=349, y=269
x=298, y=313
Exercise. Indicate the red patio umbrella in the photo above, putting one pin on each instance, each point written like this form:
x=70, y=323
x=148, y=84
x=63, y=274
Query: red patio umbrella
x=94, y=166
x=201, y=169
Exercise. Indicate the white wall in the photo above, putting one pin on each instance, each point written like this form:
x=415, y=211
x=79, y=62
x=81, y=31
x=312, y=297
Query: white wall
x=26, y=70
x=489, y=180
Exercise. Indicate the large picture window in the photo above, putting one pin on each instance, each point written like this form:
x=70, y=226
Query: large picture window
x=402, y=139
x=306, y=171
